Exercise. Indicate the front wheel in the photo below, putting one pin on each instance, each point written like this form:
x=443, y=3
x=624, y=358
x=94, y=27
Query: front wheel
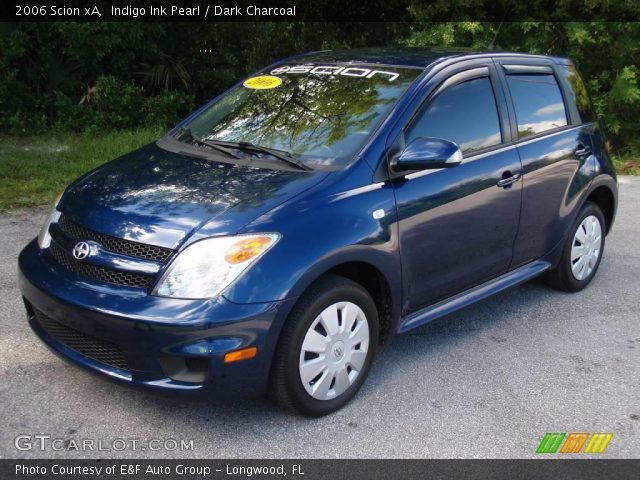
x=326, y=347
x=582, y=251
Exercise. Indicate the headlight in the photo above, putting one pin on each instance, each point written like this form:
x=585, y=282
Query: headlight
x=44, y=239
x=207, y=267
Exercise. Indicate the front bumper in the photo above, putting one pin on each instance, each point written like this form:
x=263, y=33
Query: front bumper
x=90, y=323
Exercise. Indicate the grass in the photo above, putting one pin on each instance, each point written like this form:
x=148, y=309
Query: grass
x=33, y=170
x=627, y=165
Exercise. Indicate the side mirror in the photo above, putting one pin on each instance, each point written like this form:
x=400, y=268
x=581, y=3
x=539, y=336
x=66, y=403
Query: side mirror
x=425, y=153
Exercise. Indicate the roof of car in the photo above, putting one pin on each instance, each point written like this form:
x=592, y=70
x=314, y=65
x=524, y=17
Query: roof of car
x=400, y=56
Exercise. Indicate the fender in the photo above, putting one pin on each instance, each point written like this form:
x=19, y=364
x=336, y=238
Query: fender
x=381, y=261
x=600, y=181
x=323, y=228
x=610, y=183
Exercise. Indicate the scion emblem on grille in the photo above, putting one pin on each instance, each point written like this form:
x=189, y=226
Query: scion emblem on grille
x=81, y=250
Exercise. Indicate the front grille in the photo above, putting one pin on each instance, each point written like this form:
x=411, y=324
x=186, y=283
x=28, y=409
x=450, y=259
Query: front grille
x=114, y=244
x=117, y=277
x=92, y=347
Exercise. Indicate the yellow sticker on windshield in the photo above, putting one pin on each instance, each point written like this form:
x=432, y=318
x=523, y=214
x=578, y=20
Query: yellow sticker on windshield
x=262, y=82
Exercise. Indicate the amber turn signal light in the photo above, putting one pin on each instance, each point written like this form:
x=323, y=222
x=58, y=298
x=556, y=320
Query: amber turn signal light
x=237, y=355
x=246, y=249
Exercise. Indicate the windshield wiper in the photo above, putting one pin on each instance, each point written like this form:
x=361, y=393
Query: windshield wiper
x=185, y=133
x=281, y=155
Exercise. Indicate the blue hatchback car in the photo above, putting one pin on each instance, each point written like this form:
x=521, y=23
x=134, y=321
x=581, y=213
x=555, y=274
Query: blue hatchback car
x=274, y=238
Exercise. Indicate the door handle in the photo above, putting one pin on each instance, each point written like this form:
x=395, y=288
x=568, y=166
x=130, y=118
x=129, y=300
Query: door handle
x=582, y=151
x=505, y=182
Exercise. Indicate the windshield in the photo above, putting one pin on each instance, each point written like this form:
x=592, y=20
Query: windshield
x=321, y=114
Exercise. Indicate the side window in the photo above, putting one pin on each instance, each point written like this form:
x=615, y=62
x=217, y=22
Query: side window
x=578, y=91
x=538, y=103
x=465, y=113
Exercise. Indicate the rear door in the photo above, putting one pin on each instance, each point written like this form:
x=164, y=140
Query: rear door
x=554, y=148
x=457, y=225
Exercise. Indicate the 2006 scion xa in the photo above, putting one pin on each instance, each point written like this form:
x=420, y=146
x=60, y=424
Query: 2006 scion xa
x=273, y=239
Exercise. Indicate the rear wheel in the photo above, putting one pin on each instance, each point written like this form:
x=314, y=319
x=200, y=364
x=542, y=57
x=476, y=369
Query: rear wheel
x=326, y=347
x=582, y=251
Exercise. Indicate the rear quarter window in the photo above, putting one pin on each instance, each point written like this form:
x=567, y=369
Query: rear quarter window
x=578, y=91
x=538, y=103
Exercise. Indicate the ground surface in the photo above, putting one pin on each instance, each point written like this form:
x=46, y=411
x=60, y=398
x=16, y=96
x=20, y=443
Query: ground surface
x=488, y=381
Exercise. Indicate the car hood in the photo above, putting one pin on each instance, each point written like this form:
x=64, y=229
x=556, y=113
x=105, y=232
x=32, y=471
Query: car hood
x=159, y=197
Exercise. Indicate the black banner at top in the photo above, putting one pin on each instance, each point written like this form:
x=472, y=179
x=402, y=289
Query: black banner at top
x=318, y=10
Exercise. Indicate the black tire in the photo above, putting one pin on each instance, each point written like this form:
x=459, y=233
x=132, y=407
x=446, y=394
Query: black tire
x=561, y=277
x=286, y=387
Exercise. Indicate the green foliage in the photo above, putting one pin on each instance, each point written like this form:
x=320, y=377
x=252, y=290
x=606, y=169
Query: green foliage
x=116, y=103
x=113, y=104
x=167, y=108
x=143, y=73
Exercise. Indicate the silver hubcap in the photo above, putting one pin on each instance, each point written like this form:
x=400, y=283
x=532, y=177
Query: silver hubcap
x=334, y=350
x=586, y=248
